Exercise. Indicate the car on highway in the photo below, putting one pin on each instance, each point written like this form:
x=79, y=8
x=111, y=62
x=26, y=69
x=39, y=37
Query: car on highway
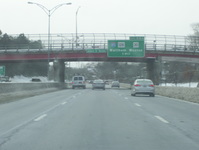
x=143, y=86
x=5, y=79
x=115, y=84
x=98, y=84
x=78, y=82
x=35, y=80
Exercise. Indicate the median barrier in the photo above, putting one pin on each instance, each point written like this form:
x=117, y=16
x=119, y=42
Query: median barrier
x=125, y=85
x=15, y=87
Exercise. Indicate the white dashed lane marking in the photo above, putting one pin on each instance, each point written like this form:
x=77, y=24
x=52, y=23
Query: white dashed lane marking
x=40, y=117
x=161, y=119
x=136, y=104
x=63, y=103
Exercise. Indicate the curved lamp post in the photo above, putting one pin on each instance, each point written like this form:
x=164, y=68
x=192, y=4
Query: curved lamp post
x=76, y=26
x=49, y=12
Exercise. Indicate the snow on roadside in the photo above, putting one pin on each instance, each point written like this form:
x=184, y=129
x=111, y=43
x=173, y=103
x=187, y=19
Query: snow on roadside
x=23, y=79
x=191, y=84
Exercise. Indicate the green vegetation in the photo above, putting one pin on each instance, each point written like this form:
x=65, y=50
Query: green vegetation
x=19, y=42
x=122, y=71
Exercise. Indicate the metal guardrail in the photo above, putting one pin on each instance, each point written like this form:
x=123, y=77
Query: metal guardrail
x=69, y=41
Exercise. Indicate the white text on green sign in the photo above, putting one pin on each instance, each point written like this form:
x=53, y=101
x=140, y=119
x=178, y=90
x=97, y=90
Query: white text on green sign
x=125, y=48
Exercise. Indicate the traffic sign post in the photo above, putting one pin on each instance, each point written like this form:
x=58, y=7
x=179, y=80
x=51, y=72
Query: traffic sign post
x=134, y=47
x=2, y=70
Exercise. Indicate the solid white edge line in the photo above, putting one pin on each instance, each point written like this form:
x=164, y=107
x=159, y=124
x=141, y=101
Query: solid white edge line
x=161, y=119
x=40, y=117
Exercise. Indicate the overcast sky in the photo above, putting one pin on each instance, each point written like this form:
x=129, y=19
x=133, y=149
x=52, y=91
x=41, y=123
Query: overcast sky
x=169, y=17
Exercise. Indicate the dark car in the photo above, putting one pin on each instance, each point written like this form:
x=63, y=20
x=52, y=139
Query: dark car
x=36, y=80
x=98, y=84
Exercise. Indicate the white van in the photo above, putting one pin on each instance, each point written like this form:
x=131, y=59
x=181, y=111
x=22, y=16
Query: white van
x=78, y=81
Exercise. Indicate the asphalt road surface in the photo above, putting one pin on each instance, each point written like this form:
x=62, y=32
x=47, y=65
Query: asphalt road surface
x=111, y=119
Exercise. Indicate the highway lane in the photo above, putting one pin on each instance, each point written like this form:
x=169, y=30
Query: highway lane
x=19, y=112
x=98, y=120
x=179, y=114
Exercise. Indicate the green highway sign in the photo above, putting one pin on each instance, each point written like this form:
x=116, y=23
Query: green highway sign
x=134, y=47
x=2, y=70
x=96, y=50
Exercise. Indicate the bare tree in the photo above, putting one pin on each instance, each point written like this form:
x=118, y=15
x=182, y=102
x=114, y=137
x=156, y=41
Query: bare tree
x=194, y=38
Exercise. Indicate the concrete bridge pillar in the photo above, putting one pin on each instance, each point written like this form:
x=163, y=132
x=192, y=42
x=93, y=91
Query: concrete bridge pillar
x=153, y=72
x=59, y=72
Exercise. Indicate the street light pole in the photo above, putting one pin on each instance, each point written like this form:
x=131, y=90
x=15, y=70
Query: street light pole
x=76, y=26
x=49, y=12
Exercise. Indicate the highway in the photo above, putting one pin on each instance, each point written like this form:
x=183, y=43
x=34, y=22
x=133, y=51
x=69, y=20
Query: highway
x=86, y=119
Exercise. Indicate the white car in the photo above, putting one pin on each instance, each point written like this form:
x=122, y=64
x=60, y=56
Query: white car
x=98, y=84
x=115, y=84
x=143, y=86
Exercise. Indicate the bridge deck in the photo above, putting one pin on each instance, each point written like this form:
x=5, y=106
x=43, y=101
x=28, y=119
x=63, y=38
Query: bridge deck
x=83, y=56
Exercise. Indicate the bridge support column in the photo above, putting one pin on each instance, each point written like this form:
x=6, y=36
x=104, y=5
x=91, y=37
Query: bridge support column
x=59, y=72
x=153, y=72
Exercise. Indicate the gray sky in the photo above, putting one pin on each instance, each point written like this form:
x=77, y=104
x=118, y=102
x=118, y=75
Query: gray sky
x=169, y=17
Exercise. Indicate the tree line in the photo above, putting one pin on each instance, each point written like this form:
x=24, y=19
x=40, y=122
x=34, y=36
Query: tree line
x=19, y=42
x=121, y=71
x=180, y=72
x=171, y=72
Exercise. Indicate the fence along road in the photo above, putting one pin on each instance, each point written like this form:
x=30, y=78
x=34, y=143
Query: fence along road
x=99, y=41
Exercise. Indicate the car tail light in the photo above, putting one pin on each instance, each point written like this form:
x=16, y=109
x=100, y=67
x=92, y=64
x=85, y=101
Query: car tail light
x=137, y=85
x=151, y=85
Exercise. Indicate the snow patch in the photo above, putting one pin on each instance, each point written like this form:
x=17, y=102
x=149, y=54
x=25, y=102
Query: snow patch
x=191, y=84
x=23, y=79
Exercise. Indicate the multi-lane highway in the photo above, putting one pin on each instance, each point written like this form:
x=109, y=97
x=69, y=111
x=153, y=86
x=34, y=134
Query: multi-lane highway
x=108, y=119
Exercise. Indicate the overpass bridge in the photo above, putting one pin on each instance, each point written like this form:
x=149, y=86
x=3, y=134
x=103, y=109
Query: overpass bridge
x=87, y=46
x=96, y=47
